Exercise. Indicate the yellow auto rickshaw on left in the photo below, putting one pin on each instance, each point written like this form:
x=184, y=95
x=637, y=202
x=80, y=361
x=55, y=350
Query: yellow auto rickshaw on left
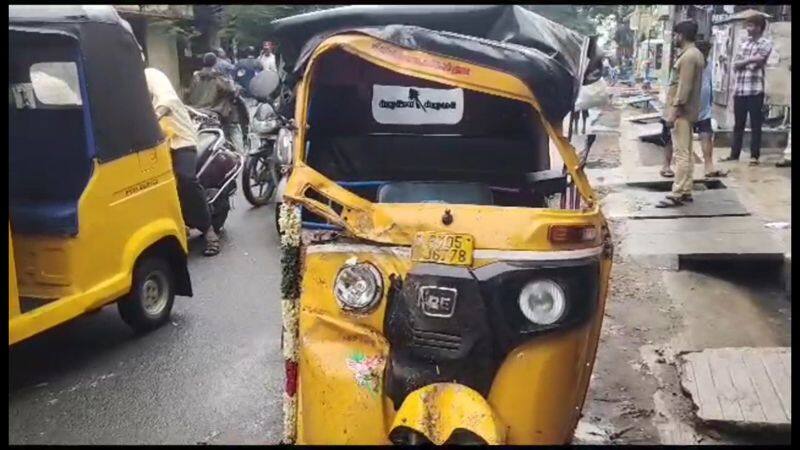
x=94, y=216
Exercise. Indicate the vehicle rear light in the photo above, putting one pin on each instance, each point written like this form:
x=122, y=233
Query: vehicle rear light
x=571, y=234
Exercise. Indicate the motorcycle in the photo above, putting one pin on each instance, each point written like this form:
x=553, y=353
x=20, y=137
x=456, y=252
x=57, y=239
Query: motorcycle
x=269, y=161
x=261, y=170
x=218, y=165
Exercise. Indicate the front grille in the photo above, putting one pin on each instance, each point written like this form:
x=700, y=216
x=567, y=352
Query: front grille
x=432, y=339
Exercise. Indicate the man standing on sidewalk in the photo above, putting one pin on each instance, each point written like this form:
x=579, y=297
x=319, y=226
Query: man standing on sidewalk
x=748, y=95
x=682, y=110
x=703, y=124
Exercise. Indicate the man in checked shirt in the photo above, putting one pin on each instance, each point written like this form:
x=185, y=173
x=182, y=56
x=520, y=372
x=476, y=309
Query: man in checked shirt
x=748, y=95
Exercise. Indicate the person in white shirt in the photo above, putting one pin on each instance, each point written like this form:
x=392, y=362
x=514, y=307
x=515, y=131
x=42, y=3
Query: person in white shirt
x=267, y=57
x=174, y=117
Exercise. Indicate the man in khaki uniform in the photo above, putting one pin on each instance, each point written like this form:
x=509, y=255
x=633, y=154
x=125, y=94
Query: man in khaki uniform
x=682, y=110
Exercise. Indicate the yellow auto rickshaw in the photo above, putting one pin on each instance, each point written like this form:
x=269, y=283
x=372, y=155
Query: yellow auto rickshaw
x=93, y=208
x=444, y=272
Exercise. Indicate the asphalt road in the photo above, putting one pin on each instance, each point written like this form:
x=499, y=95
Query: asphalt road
x=213, y=375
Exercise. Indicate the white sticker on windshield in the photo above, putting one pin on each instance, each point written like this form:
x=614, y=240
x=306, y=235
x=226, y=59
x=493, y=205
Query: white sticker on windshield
x=404, y=105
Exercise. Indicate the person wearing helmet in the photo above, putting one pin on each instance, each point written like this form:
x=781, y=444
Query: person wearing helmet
x=247, y=68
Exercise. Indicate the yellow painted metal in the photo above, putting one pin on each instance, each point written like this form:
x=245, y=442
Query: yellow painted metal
x=332, y=407
x=13, y=293
x=539, y=389
x=501, y=228
x=128, y=205
x=439, y=409
x=537, y=393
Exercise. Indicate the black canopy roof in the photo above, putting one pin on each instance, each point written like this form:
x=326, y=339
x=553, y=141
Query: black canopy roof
x=122, y=115
x=549, y=57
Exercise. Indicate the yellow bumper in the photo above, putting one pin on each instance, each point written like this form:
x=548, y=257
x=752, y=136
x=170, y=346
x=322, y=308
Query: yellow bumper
x=438, y=410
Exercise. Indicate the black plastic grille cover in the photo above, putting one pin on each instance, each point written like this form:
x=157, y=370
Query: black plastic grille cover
x=486, y=324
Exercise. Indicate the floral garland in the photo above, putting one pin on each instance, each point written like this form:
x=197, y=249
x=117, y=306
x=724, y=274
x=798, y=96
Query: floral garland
x=289, y=223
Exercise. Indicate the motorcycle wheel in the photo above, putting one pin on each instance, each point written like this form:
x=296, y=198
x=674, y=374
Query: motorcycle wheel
x=258, y=184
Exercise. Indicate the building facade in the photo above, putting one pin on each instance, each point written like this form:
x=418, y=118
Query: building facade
x=155, y=27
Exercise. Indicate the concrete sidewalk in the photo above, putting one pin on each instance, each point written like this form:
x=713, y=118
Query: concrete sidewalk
x=743, y=216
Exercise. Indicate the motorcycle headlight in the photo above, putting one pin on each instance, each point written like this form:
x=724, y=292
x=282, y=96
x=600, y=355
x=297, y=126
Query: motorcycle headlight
x=542, y=302
x=358, y=287
x=283, y=146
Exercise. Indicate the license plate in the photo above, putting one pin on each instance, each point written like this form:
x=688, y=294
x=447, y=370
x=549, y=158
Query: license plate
x=443, y=248
x=437, y=301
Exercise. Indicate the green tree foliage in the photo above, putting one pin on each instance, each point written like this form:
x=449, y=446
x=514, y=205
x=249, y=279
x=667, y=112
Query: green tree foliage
x=582, y=18
x=249, y=23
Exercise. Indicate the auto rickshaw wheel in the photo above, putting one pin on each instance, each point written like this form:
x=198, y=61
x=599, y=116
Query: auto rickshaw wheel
x=149, y=303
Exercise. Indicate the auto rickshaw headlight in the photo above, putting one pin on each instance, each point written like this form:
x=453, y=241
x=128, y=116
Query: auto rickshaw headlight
x=358, y=287
x=542, y=302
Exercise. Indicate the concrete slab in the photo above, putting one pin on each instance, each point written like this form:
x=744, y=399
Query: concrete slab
x=640, y=204
x=662, y=243
x=646, y=118
x=650, y=174
x=740, y=386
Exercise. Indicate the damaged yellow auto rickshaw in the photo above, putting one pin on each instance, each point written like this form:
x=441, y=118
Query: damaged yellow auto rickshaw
x=444, y=271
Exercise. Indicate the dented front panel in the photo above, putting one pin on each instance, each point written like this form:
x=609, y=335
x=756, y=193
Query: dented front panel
x=359, y=377
x=536, y=390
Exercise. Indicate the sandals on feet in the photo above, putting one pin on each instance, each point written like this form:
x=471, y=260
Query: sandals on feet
x=670, y=202
x=667, y=173
x=717, y=174
x=687, y=198
x=212, y=247
x=728, y=159
x=753, y=162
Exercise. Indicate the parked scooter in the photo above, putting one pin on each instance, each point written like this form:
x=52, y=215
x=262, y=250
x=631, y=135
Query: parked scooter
x=218, y=165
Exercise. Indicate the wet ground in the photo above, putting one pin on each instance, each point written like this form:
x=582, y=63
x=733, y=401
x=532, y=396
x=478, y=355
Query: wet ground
x=635, y=395
x=212, y=375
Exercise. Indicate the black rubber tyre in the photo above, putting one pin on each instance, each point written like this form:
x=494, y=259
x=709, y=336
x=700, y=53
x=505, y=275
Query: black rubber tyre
x=152, y=295
x=254, y=198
